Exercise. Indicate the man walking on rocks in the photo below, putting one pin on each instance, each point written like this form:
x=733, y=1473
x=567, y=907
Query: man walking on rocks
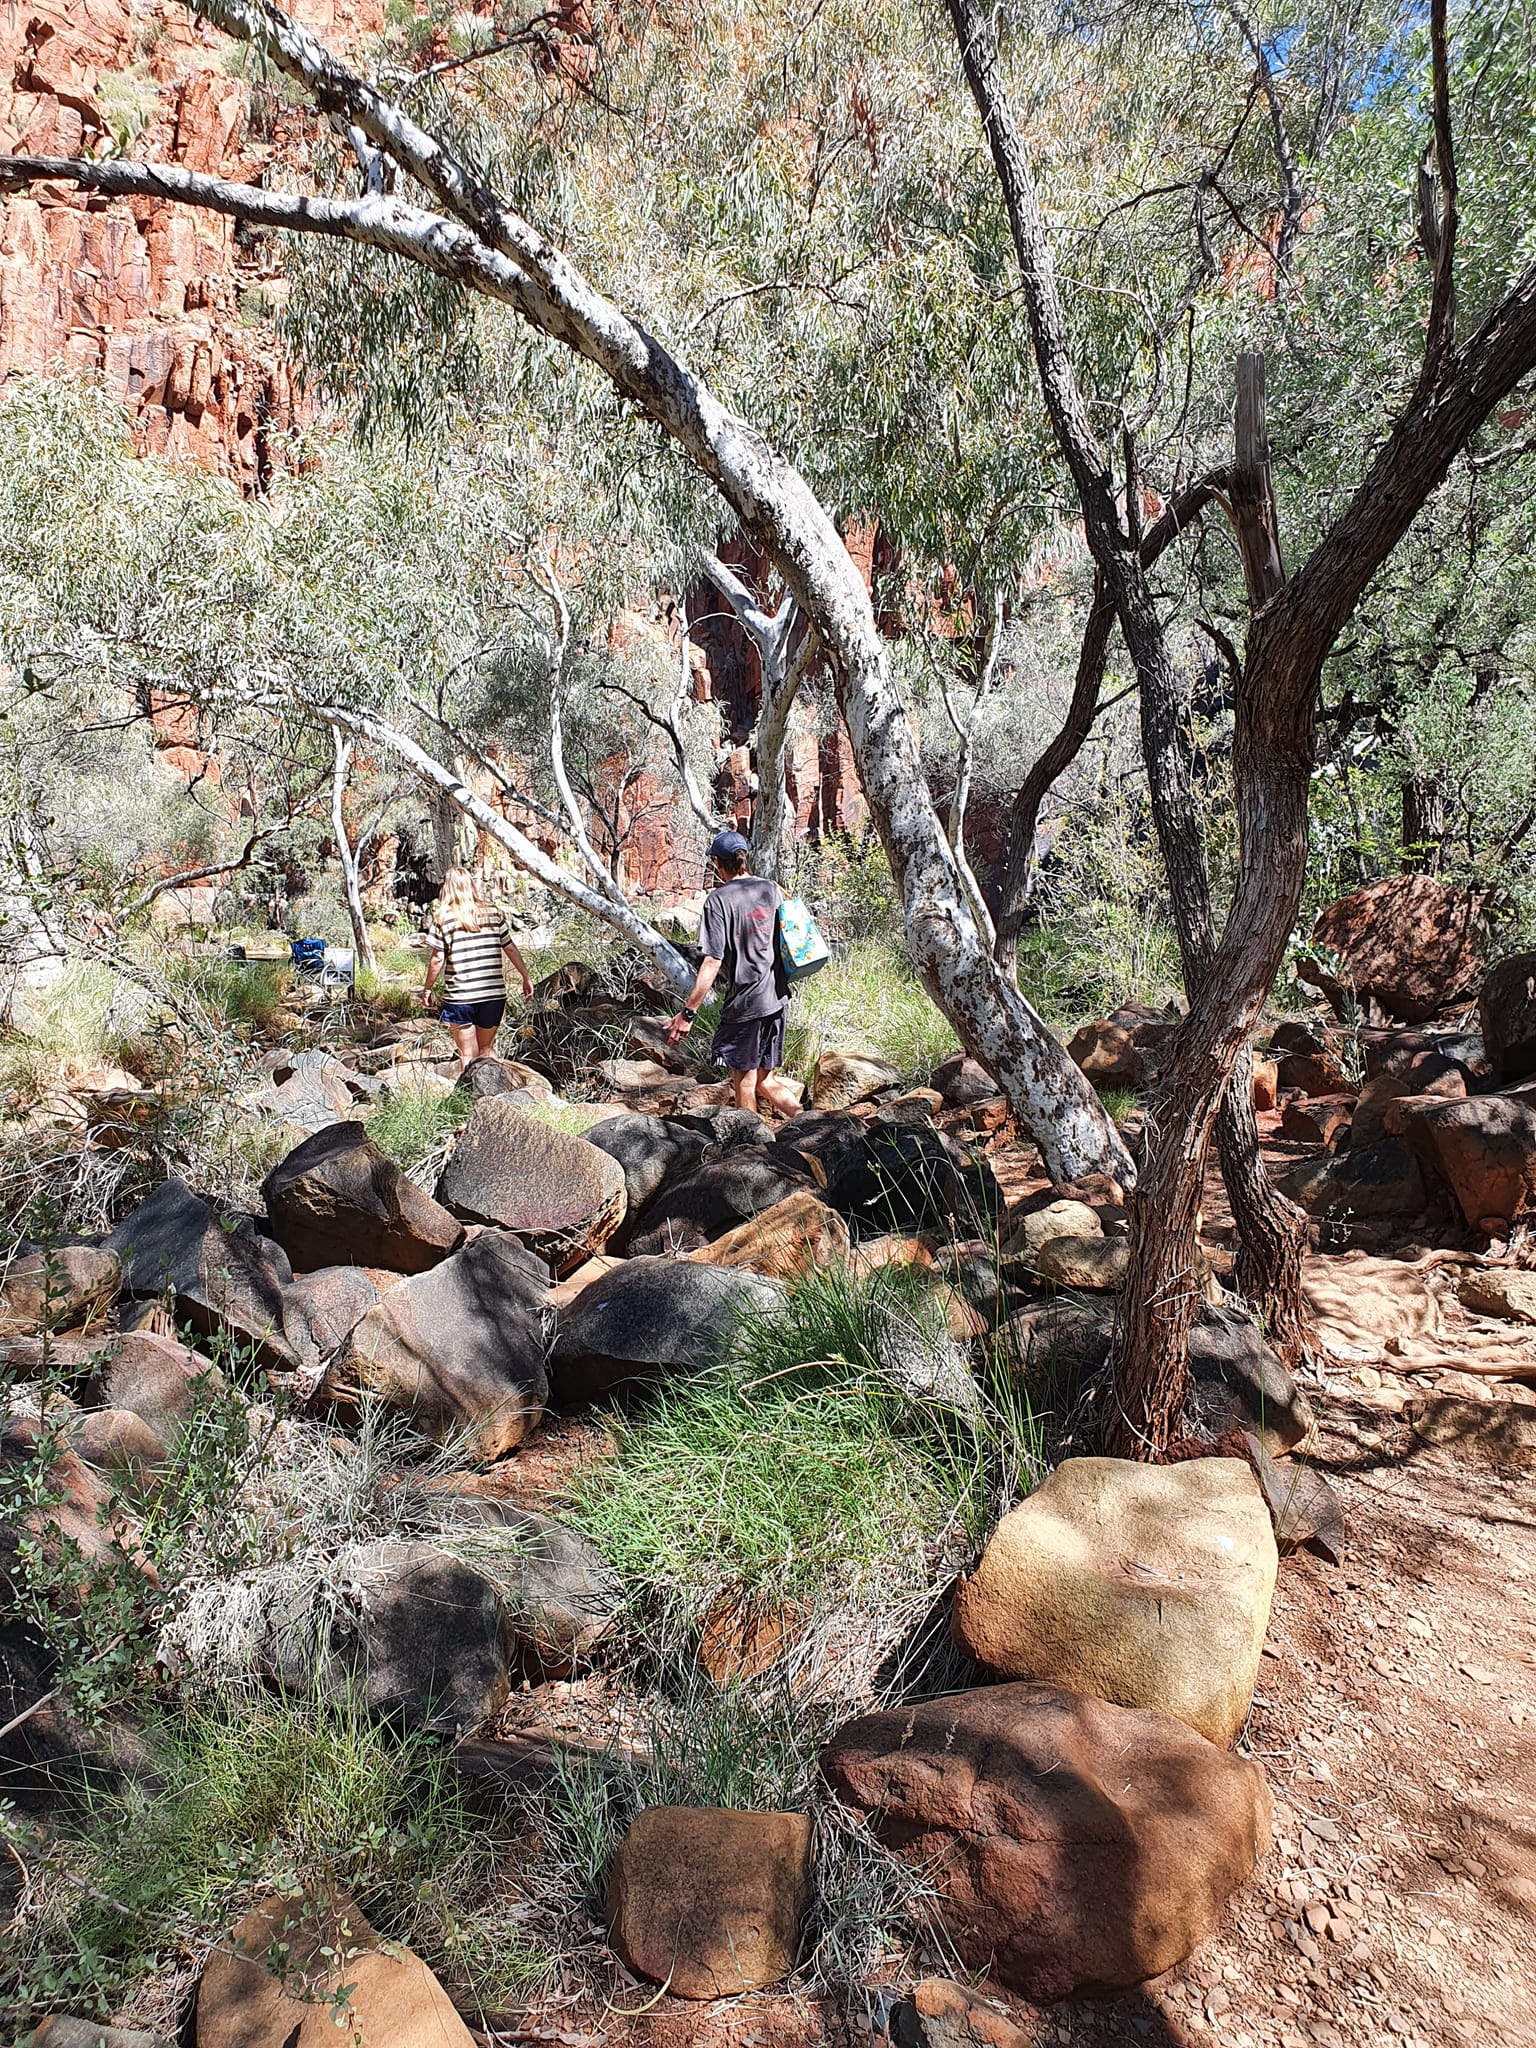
x=739, y=933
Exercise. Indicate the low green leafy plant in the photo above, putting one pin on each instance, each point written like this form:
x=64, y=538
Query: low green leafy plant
x=259, y=1794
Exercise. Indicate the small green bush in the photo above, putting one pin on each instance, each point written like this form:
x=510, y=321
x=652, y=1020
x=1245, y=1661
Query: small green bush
x=260, y=1794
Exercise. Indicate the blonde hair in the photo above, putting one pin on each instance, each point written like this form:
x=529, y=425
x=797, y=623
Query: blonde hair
x=460, y=902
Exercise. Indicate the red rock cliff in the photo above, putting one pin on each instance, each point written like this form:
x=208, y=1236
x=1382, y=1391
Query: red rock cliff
x=169, y=305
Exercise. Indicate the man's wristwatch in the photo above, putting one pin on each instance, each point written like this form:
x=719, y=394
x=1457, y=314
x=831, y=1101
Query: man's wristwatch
x=691, y=1015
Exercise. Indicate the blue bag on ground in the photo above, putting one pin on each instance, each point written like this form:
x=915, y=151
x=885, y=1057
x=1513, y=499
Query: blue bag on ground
x=802, y=949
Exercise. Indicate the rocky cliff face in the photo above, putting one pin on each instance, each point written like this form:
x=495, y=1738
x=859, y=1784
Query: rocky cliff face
x=171, y=307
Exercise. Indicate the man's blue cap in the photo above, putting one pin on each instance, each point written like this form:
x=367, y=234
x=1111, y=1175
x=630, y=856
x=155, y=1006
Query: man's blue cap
x=726, y=845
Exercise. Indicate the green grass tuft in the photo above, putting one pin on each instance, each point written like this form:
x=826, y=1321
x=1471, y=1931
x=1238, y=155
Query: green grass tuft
x=867, y=999
x=262, y=1794
x=410, y=1124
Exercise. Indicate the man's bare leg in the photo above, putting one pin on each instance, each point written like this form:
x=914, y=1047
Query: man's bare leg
x=744, y=1089
x=776, y=1092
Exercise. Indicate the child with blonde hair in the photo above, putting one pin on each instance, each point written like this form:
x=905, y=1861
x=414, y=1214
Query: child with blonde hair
x=467, y=937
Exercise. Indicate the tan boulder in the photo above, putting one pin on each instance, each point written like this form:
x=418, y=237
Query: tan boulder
x=1097, y=1265
x=708, y=1902
x=1369, y=1123
x=795, y=1236
x=840, y=1079
x=1507, y=1291
x=1266, y=1082
x=1026, y=1230
x=73, y=1283
x=1148, y=1585
x=892, y=1249
x=392, y=2000
x=1073, y=1846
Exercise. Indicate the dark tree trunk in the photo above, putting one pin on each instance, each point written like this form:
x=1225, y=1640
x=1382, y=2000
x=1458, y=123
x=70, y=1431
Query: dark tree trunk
x=1423, y=822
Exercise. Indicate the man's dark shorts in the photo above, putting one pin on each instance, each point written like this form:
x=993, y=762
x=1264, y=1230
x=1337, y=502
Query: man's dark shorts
x=484, y=1016
x=759, y=1042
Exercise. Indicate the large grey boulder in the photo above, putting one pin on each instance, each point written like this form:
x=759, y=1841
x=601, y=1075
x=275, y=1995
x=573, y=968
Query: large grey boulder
x=337, y=1200
x=226, y=1280
x=901, y=1177
x=460, y=1349
x=564, y=1197
x=322, y=1309
x=652, y=1318
x=724, y=1189
x=1238, y=1381
x=1366, y=1184
x=650, y=1149
x=558, y=1594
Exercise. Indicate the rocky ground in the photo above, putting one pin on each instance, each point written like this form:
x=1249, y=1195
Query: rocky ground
x=526, y=1274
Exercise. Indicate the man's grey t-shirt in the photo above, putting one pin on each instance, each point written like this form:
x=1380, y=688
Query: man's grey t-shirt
x=740, y=928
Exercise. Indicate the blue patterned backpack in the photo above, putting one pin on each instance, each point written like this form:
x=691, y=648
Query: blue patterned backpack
x=802, y=949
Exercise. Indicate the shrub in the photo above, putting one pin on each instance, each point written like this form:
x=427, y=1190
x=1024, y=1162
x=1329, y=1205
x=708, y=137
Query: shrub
x=257, y=1794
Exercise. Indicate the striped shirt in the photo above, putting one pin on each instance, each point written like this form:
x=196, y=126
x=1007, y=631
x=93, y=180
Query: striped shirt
x=472, y=972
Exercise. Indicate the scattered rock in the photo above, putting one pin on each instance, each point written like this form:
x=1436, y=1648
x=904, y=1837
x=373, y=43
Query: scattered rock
x=56, y=1289
x=1506, y=1008
x=327, y=1946
x=873, y=1254
x=1077, y=1847
x=79, y=1507
x=971, y=1270
x=795, y=1236
x=309, y=1089
x=1318, y=1120
x=564, y=1197
x=1500, y=1291
x=1148, y=1585
x=116, y=1440
x=1490, y=1432
x=1059, y=1340
x=840, y=1079
x=1369, y=1126
x=414, y=1633
x=321, y=1310
x=459, y=1349
x=1312, y=1074
x=943, y=2014
x=1367, y=1183
x=336, y=1200
x=1092, y=1264
x=1107, y=1054
x=725, y=1189
x=157, y=1379
x=709, y=1902
x=1484, y=1149
x=906, y=1177
x=489, y=1075
x=650, y=1149
x=1408, y=943
x=629, y=1079
x=1303, y=1508
x=1266, y=1082
x=226, y=1280
x=1238, y=1381
x=963, y=1083
x=651, y=1318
